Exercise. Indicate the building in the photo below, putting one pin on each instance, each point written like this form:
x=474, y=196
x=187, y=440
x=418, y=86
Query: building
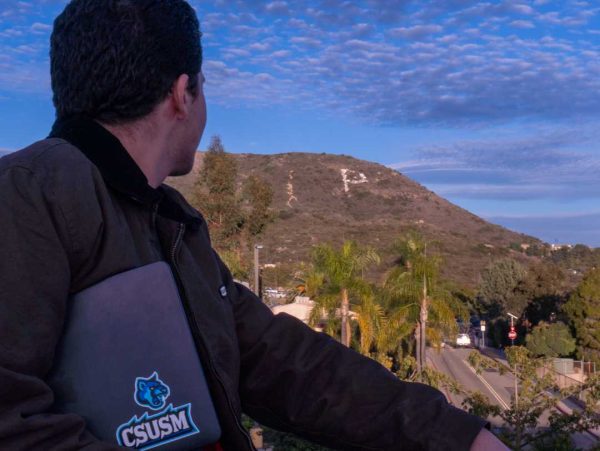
x=300, y=308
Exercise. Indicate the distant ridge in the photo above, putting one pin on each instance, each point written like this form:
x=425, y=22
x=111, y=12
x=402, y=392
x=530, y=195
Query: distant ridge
x=328, y=198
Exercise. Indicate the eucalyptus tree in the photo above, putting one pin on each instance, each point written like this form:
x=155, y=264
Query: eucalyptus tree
x=257, y=196
x=215, y=191
x=235, y=216
x=336, y=279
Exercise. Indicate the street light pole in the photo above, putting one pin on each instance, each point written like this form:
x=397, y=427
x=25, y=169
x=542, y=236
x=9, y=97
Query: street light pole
x=257, y=247
x=482, y=326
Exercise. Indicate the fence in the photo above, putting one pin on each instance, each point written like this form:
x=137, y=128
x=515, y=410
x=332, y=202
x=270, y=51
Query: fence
x=561, y=379
x=569, y=373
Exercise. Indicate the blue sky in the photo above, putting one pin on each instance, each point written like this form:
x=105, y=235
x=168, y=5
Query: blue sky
x=494, y=105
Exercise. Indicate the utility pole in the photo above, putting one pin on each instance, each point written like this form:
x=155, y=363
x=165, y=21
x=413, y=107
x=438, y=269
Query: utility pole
x=512, y=335
x=257, y=247
x=423, y=317
x=423, y=325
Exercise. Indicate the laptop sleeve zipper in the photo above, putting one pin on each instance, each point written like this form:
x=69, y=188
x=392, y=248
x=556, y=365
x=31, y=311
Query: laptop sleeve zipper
x=196, y=330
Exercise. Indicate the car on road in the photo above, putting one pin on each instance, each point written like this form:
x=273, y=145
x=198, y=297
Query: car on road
x=463, y=340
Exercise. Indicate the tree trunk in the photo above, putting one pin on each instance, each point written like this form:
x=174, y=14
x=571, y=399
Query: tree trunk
x=418, y=348
x=423, y=316
x=345, y=318
x=422, y=344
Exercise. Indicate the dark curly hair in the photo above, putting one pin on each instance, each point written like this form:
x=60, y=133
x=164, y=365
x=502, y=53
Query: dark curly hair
x=115, y=60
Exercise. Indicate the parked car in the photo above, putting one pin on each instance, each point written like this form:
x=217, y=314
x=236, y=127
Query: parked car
x=463, y=340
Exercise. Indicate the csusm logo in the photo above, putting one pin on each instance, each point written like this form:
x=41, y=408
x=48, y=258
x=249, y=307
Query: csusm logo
x=150, y=431
x=151, y=392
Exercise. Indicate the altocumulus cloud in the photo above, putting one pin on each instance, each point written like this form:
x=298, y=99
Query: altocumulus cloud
x=448, y=62
x=391, y=62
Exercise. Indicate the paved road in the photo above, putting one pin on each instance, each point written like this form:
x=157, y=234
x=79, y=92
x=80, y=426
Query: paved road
x=498, y=388
x=453, y=363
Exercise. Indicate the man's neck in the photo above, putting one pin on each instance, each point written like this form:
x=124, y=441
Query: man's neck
x=146, y=146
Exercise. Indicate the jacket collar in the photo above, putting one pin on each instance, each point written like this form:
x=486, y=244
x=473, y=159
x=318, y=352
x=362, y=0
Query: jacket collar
x=118, y=168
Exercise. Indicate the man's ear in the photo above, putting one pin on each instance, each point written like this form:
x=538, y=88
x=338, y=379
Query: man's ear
x=181, y=97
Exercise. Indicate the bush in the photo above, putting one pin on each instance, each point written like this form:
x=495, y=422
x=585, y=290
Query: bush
x=550, y=340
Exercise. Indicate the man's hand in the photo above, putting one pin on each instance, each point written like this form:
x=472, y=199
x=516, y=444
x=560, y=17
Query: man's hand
x=486, y=441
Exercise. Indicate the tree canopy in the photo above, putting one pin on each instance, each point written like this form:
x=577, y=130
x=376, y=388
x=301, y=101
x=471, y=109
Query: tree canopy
x=497, y=286
x=258, y=196
x=583, y=310
x=540, y=294
x=538, y=395
x=550, y=340
x=215, y=194
x=235, y=215
x=415, y=295
x=336, y=281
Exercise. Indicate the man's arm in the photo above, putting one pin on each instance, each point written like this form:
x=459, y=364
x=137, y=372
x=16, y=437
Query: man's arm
x=297, y=380
x=34, y=287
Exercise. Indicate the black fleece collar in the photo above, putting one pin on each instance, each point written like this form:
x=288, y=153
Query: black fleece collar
x=117, y=167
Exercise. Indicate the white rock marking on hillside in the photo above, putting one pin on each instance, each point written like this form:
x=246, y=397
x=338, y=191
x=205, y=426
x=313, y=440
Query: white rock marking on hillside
x=290, y=191
x=350, y=177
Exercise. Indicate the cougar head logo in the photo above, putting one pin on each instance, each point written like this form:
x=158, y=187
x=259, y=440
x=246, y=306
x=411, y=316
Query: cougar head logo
x=151, y=392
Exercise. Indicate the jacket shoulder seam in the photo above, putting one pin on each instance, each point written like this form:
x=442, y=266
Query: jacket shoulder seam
x=57, y=205
x=17, y=167
x=29, y=166
x=50, y=147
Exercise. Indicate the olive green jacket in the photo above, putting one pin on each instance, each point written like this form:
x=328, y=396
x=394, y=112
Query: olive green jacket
x=74, y=210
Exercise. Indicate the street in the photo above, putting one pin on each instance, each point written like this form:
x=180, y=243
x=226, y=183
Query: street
x=498, y=388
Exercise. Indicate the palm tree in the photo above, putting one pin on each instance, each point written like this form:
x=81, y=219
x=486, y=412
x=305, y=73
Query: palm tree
x=414, y=295
x=371, y=319
x=336, y=277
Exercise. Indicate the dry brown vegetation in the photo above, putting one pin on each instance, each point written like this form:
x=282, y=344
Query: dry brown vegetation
x=373, y=213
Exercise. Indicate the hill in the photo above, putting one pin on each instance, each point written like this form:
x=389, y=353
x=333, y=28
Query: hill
x=329, y=198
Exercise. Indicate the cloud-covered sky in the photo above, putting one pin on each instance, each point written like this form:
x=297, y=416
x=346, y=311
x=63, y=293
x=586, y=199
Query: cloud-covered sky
x=493, y=104
x=452, y=62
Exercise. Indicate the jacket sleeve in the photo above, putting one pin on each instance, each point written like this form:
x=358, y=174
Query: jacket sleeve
x=34, y=288
x=297, y=380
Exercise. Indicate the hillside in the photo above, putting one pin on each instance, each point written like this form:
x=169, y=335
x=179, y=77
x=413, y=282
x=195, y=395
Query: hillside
x=329, y=198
